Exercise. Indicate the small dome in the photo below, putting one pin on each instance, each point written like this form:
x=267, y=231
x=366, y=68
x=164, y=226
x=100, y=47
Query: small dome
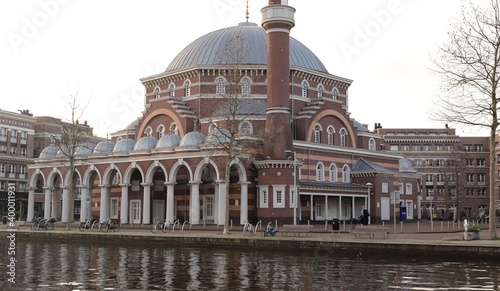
x=85, y=149
x=124, y=145
x=105, y=146
x=192, y=139
x=405, y=166
x=218, y=136
x=168, y=141
x=146, y=143
x=49, y=152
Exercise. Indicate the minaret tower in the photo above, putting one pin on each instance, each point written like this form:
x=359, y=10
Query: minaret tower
x=278, y=20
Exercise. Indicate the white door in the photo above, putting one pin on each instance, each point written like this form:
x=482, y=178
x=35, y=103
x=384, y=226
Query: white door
x=409, y=210
x=159, y=209
x=385, y=208
x=135, y=211
x=208, y=208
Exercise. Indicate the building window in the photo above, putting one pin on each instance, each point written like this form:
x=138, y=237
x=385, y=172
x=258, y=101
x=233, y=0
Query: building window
x=333, y=173
x=187, y=88
x=481, y=191
x=405, y=147
x=343, y=134
x=409, y=188
x=13, y=150
x=480, y=162
x=478, y=148
x=220, y=84
x=469, y=162
x=161, y=131
x=469, y=192
x=481, y=178
x=2, y=168
x=346, y=175
x=22, y=170
x=416, y=147
x=23, y=152
x=173, y=129
x=157, y=92
x=417, y=163
x=467, y=148
x=429, y=178
x=427, y=147
x=320, y=174
x=317, y=133
x=428, y=163
x=22, y=186
x=2, y=185
x=148, y=131
x=470, y=178
x=171, y=90
x=318, y=207
x=371, y=144
x=245, y=87
x=12, y=169
x=304, y=89
x=335, y=93
x=320, y=91
x=330, y=132
x=264, y=197
x=245, y=127
x=279, y=198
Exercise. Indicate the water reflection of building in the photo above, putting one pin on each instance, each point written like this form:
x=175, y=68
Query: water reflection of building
x=163, y=164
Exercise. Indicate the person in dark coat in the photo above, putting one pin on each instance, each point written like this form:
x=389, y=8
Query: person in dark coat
x=363, y=219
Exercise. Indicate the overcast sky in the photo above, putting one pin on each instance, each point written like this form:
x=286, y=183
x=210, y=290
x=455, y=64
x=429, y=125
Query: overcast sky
x=102, y=48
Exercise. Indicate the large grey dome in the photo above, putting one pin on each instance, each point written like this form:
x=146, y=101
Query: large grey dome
x=168, y=141
x=49, y=152
x=204, y=50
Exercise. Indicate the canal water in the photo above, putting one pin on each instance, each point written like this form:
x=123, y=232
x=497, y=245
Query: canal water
x=118, y=266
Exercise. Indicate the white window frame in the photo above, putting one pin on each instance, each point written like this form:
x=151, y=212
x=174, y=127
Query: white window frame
x=333, y=173
x=304, y=86
x=187, y=88
x=320, y=172
x=246, y=86
x=346, y=174
x=330, y=132
x=385, y=188
x=220, y=86
x=279, y=190
x=317, y=133
x=171, y=90
x=156, y=92
x=335, y=93
x=292, y=192
x=321, y=89
x=264, y=196
x=343, y=135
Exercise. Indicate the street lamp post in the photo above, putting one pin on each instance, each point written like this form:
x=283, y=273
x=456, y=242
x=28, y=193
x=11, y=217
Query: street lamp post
x=369, y=185
x=294, y=193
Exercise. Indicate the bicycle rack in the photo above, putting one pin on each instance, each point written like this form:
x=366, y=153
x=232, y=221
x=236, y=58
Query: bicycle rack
x=182, y=230
x=173, y=226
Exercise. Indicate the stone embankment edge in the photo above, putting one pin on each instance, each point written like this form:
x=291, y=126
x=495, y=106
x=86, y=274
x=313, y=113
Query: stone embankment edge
x=318, y=245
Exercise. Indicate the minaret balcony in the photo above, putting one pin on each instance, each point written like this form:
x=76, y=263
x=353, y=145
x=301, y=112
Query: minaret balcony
x=278, y=14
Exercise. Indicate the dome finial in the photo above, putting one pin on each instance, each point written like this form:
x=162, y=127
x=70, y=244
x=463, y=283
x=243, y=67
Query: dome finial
x=247, y=13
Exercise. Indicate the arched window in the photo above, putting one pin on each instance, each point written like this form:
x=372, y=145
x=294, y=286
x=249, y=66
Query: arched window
x=333, y=173
x=171, y=90
x=346, y=175
x=335, y=93
x=174, y=129
x=157, y=92
x=160, y=131
x=245, y=87
x=245, y=127
x=212, y=127
x=187, y=88
x=330, y=130
x=317, y=133
x=119, y=138
x=220, y=86
x=304, y=89
x=321, y=89
x=320, y=172
x=148, y=131
x=371, y=144
x=343, y=134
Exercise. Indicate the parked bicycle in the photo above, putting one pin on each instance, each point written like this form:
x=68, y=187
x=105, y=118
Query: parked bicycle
x=110, y=225
x=248, y=228
x=160, y=225
x=270, y=230
x=87, y=224
x=43, y=224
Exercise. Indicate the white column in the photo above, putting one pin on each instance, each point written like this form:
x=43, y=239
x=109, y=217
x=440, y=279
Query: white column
x=216, y=203
x=326, y=208
x=244, y=202
x=104, y=212
x=341, y=217
x=146, y=209
x=84, y=214
x=55, y=203
x=31, y=204
x=194, y=203
x=170, y=201
x=65, y=204
x=222, y=202
x=312, y=208
x=124, y=205
x=47, y=203
x=356, y=215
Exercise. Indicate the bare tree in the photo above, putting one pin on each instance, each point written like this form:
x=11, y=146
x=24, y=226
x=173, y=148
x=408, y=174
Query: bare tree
x=231, y=111
x=72, y=138
x=469, y=65
x=454, y=173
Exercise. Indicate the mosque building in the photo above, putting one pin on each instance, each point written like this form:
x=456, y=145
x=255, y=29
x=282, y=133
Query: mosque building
x=297, y=157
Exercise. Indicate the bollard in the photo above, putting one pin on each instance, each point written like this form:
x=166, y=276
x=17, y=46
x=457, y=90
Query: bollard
x=231, y=224
x=441, y=226
x=418, y=226
x=401, y=226
x=343, y=222
x=276, y=224
x=326, y=225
